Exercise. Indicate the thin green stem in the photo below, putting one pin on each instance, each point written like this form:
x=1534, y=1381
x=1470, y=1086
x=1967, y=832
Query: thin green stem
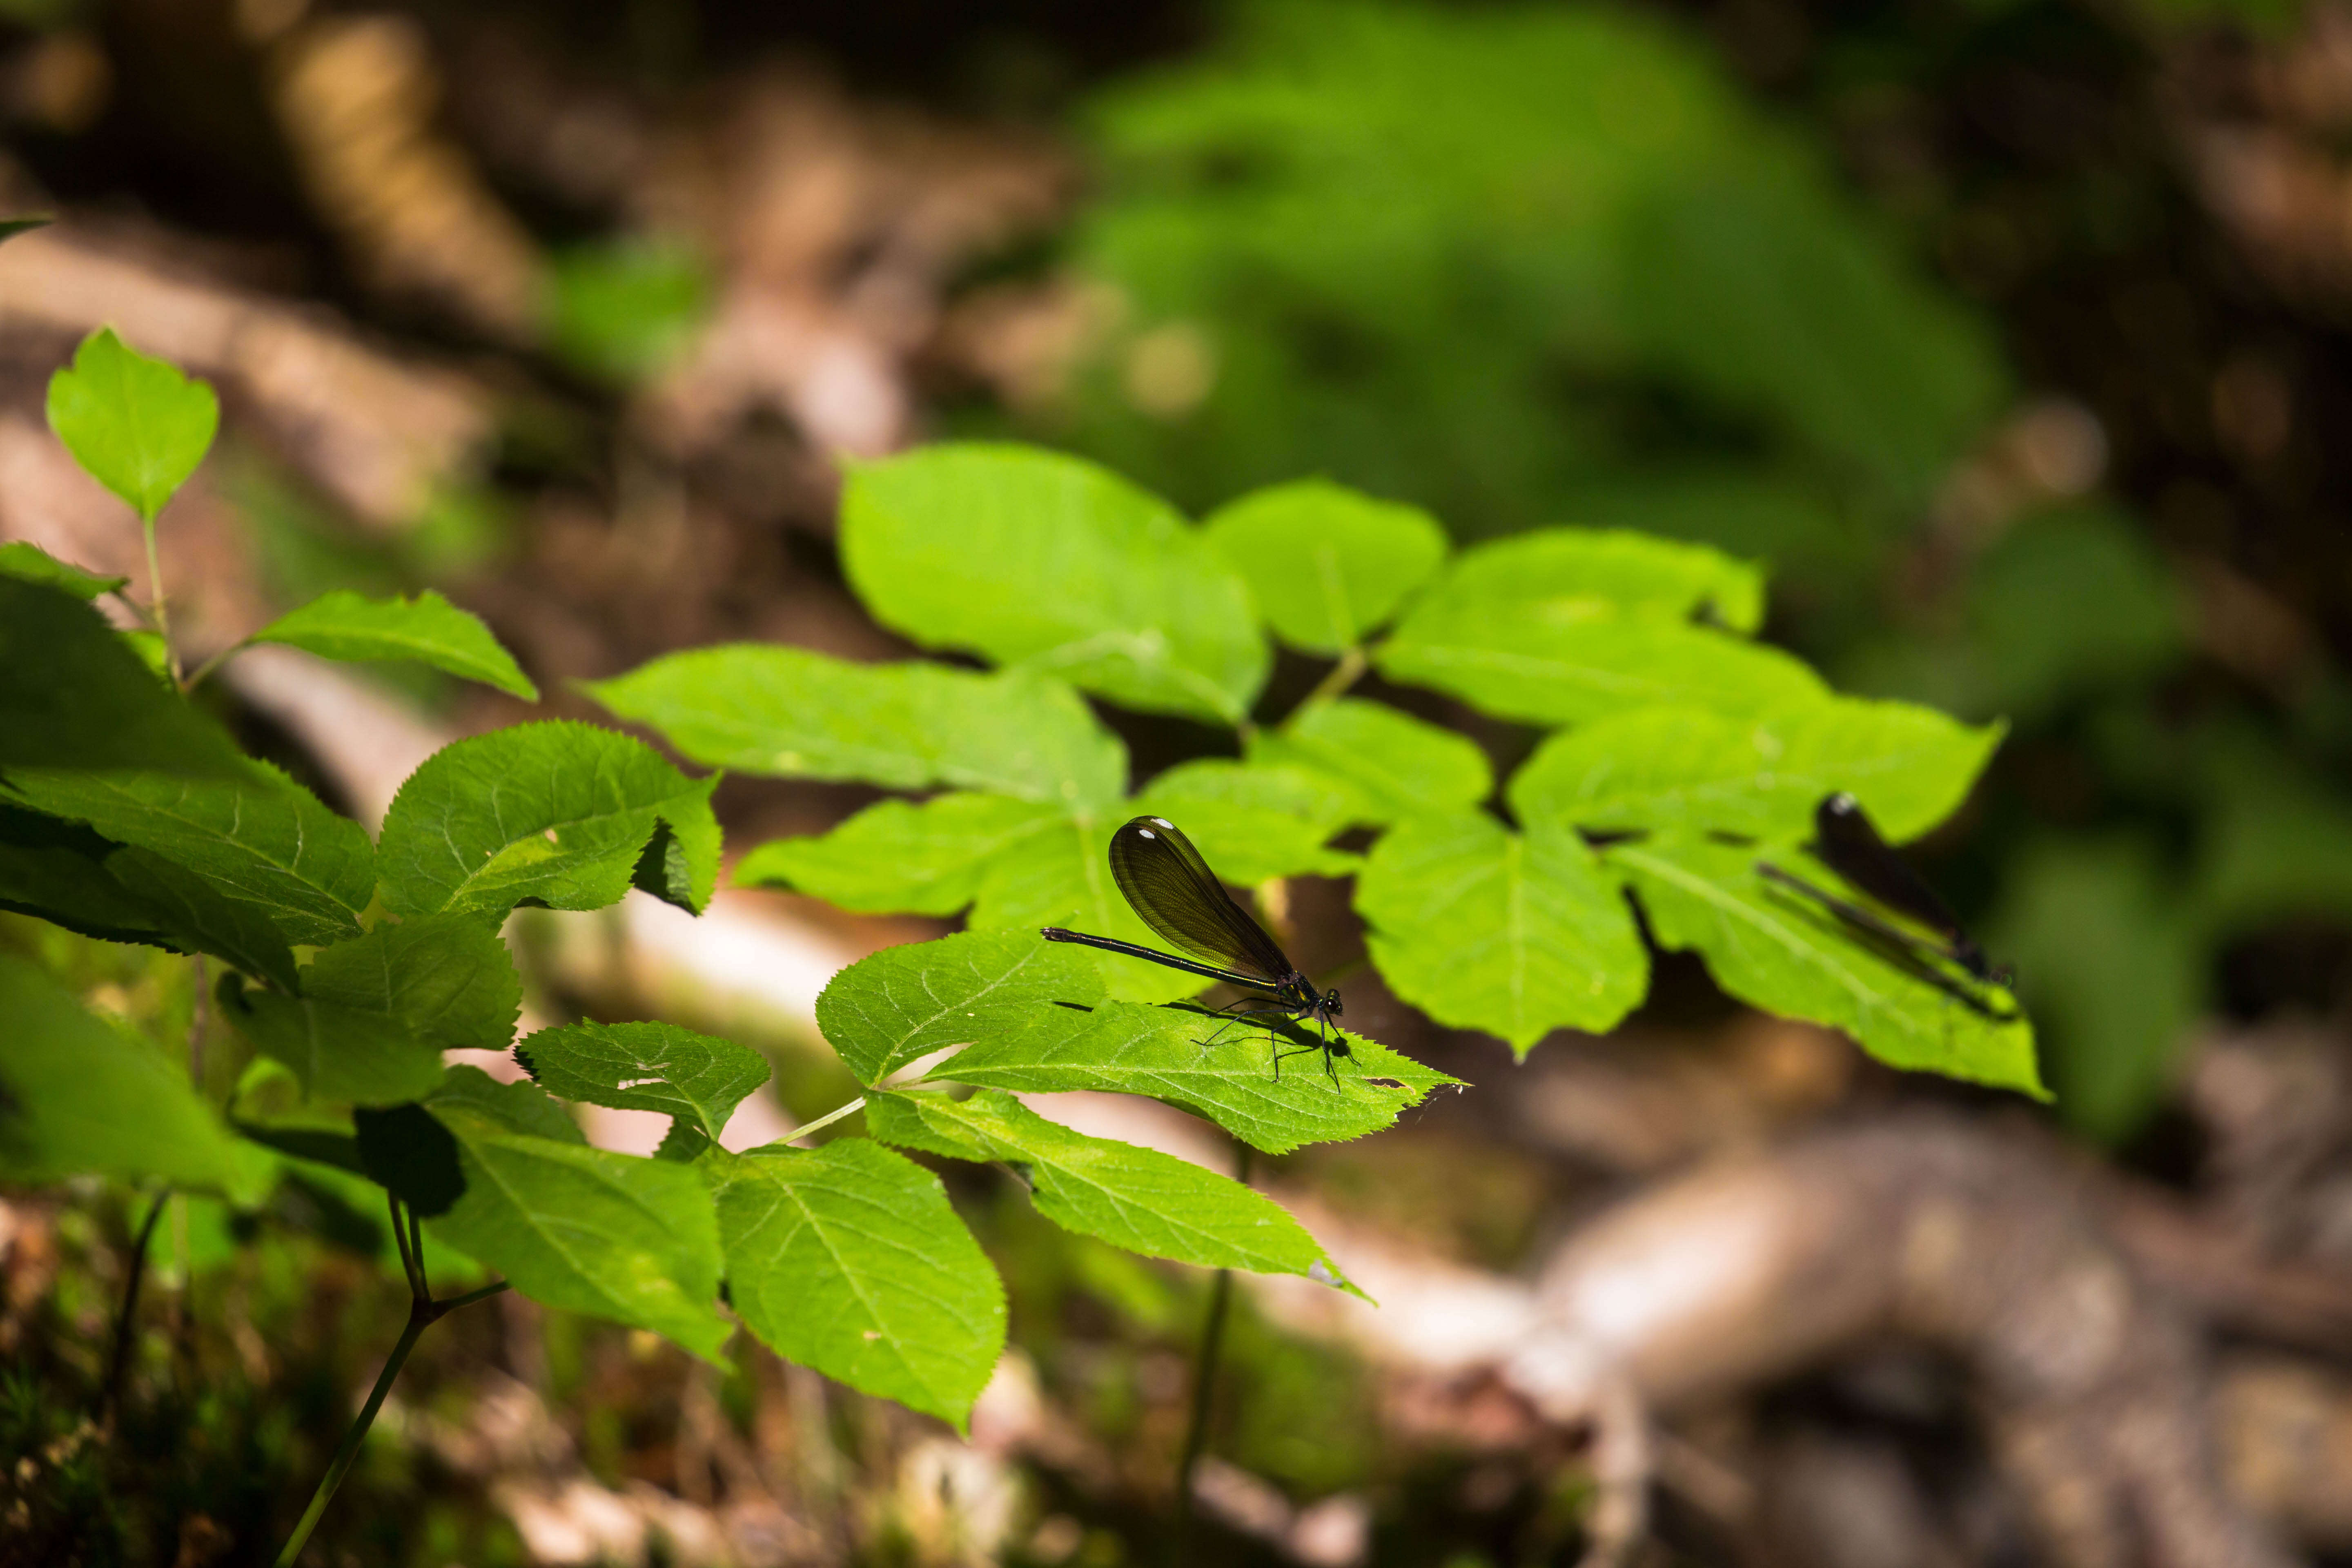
x=400, y=1238
x=197, y=678
x=1341, y=676
x=417, y=1250
x=1204, y=1382
x=126, y=1324
x=422, y=1313
x=827, y=1120
x=162, y=612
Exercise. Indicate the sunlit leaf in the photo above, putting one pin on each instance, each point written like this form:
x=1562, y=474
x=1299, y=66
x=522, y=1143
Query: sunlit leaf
x=1034, y=558
x=424, y=627
x=848, y=1258
x=697, y=1079
x=137, y=425
x=1139, y=1199
x=1397, y=765
x=1517, y=934
x=902, y=857
x=31, y=563
x=1326, y=564
x=560, y=814
x=904, y=1002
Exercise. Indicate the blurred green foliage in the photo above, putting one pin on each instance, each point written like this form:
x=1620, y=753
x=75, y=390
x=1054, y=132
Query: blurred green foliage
x=620, y=311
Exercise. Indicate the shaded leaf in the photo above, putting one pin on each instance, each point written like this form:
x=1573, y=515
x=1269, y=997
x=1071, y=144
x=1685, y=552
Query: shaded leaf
x=72, y=695
x=11, y=227
x=904, y=1002
x=1326, y=564
x=31, y=563
x=256, y=838
x=1396, y=765
x=560, y=814
x=1164, y=1052
x=902, y=857
x=1034, y=558
x=1139, y=1199
x=1485, y=928
x=80, y=1096
x=786, y=713
x=136, y=424
x=848, y=1258
x=1779, y=951
x=698, y=1079
x=1685, y=769
x=424, y=627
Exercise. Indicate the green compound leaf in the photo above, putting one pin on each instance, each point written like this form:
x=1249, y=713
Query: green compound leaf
x=1061, y=877
x=1685, y=769
x=376, y=1011
x=1561, y=574
x=85, y=1097
x=425, y=628
x=137, y=425
x=1396, y=765
x=61, y=872
x=900, y=857
x=31, y=563
x=1326, y=564
x=1252, y=821
x=559, y=815
x=1568, y=661
x=72, y=695
x=1776, y=950
x=786, y=713
x=256, y=838
x=1485, y=928
x=904, y=1002
x=697, y=1079
x=628, y=1239
x=1034, y=558
x=1139, y=1199
x=849, y=1259
x=1163, y=1052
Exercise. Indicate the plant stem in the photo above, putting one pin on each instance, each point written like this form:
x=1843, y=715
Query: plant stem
x=827, y=1120
x=197, y=677
x=125, y=1325
x=163, y=615
x=1344, y=674
x=1204, y=1380
x=422, y=1313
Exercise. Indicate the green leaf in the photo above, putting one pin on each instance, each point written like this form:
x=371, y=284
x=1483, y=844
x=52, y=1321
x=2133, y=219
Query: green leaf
x=1485, y=928
x=1255, y=821
x=1397, y=765
x=848, y=1258
x=904, y=1002
x=257, y=839
x=1326, y=564
x=31, y=563
x=11, y=227
x=786, y=713
x=628, y=1239
x=1139, y=1199
x=1164, y=1052
x=624, y=309
x=900, y=858
x=62, y=872
x=697, y=1079
x=519, y=1107
x=1572, y=661
x=1776, y=950
x=1031, y=557
x=85, y=1097
x=1060, y=876
x=376, y=1011
x=1562, y=574
x=559, y=815
x=426, y=628
x=71, y=696
x=137, y=425
x=1686, y=769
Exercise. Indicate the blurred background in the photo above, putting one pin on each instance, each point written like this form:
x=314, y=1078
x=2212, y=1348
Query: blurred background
x=2016, y=335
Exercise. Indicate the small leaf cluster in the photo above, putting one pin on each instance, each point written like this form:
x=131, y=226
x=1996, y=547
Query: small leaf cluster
x=1674, y=752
